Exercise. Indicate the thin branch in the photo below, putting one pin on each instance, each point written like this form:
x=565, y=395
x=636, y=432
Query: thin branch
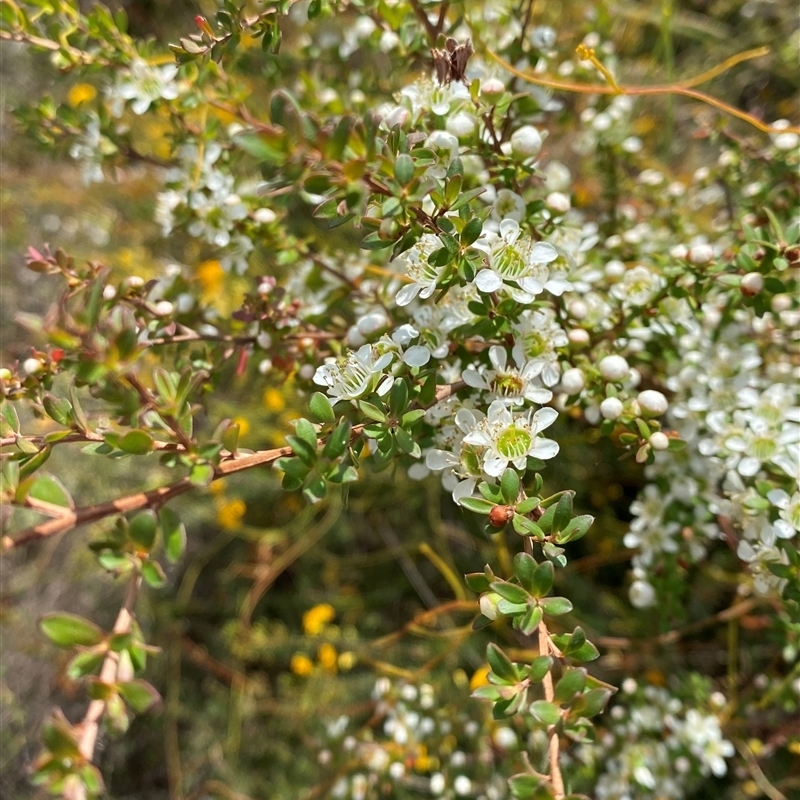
x=108, y=673
x=157, y=497
x=430, y=28
x=545, y=649
x=681, y=88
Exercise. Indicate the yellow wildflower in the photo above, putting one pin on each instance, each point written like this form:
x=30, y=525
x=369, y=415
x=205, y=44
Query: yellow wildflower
x=479, y=678
x=274, y=400
x=327, y=657
x=81, y=93
x=230, y=513
x=210, y=275
x=315, y=619
x=301, y=665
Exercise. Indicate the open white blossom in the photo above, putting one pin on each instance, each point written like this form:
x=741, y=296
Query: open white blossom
x=519, y=262
x=512, y=438
x=357, y=375
x=512, y=385
x=424, y=276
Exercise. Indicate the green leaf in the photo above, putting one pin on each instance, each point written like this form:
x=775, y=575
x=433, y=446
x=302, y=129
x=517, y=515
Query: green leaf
x=398, y=398
x=321, y=408
x=31, y=464
x=404, y=169
x=9, y=414
x=84, y=664
x=70, y=630
x=153, y=574
x=316, y=489
x=556, y=606
x=136, y=442
x=230, y=438
x=529, y=622
x=371, y=411
x=406, y=443
x=590, y=703
x=305, y=431
x=509, y=486
x=510, y=591
x=527, y=505
x=173, y=532
x=472, y=231
x=575, y=529
x=373, y=241
x=542, y=580
x=302, y=449
x=337, y=441
x=525, y=526
x=572, y=682
x=293, y=467
x=563, y=512
x=487, y=692
x=477, y=505
x=524, y=569
x=539, y=667
x=411, y=417
x=138, y=694
x=60, y=738
x=142, y=530
x=545, y=712
x=525, y=786
x=58, y=409
x=48, y=488
x=501, y=664
x=477, y=581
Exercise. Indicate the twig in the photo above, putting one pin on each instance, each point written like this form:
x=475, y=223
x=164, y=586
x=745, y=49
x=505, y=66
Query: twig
x=681, y=88
x=108, y=673
x=545, y=649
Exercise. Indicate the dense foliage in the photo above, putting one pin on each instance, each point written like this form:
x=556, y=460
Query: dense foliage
x=449, y=441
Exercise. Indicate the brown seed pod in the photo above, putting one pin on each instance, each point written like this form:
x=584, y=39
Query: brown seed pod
x=500, y=515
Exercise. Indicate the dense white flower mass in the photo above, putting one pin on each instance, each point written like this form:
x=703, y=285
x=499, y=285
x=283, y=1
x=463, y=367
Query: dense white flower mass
x=356, y=376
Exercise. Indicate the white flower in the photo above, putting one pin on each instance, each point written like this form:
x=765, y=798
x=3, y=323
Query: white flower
x=789, y=523
x=508, y=205
x=357, y=376
x=642, y=594
x=638, y=286
x=423, y=275
x=519, y=261
x=512, y=439
x=538, y=336
x=144, y=84
x=510, y=385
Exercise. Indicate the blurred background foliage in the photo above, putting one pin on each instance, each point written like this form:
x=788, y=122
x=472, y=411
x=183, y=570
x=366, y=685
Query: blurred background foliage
x=281, y=617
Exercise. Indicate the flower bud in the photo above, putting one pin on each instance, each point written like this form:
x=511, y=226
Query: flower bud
x=558, y=202
x=611, y=408
x=642, y=594
x=163, y=308
x=701, y=253
x=573, y=381
x=488, y=604
x=492, y=89
x=658, y=441
x=5, y=374
x=652, y=403
x=579, y=337
x=526, y=142
x=752, y=284
x=30, y=366
x=613, y=368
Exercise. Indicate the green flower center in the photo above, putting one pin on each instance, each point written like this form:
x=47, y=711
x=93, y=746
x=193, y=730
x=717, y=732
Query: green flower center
x=510, y=264
x=514, y=442
x=509, y=383
x=763, y=447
